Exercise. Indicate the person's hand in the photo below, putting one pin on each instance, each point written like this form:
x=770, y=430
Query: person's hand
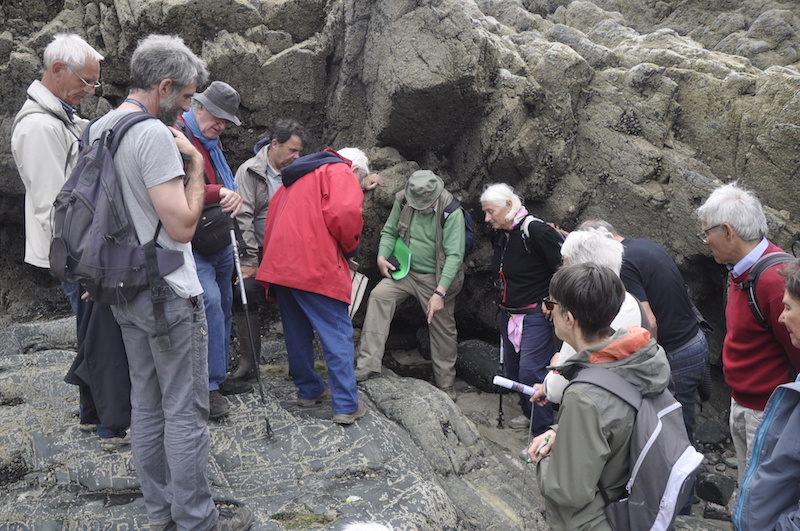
x=541, y=445
x=371, y=181
x=385, y=267
x=248, y=271
x=230, y=201
x=185, y=146
x=539, y=397
x=435, y=303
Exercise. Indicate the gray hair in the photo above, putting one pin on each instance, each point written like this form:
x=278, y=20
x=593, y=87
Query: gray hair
x=160, y=57
x=359, y=160
x=70, y=49
x=499, y=194
x=737, y=207
x=593, y=245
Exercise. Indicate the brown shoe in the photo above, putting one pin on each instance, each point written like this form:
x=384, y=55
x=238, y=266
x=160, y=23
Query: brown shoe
x=311, y=402
x=345, y=418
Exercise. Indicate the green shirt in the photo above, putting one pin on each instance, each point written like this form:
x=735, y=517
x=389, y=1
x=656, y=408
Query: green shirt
x=422, y=242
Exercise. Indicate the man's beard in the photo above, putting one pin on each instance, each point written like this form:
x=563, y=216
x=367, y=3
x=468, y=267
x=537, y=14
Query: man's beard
x=168, y=109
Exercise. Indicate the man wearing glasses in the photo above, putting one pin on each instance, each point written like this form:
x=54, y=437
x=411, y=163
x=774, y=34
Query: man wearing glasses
x=755, y=359
x=44, y=139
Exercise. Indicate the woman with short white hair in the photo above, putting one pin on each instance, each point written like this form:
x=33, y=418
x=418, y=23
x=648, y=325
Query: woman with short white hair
x=526, y=254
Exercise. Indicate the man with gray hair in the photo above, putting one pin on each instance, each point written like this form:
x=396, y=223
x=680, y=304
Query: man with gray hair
x=755, y=359
x=169, y=385
x=45, y=140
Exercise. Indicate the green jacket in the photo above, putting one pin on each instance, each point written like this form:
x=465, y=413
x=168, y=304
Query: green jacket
x=594, y=431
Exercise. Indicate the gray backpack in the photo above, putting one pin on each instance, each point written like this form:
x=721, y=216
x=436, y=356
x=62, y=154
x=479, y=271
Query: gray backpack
x=94, y=242
x=663, y=462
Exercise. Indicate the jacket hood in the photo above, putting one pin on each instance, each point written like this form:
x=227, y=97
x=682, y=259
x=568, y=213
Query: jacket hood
x=260, y=144
x=632, y=354
x=307, y=164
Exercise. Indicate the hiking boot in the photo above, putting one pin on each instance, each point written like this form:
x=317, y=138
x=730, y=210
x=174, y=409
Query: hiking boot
x=311, y=402
x=112, y=444
x=218, y=405
x=234, y=519
x=232, y=386
x=450, y=391
x=519, y=423
x=349, y=418
x=363, y=375
x=87, y=428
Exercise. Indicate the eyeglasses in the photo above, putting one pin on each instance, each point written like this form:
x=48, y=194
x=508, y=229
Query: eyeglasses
x=86, y=83
x=549, y=304
x=703, y=234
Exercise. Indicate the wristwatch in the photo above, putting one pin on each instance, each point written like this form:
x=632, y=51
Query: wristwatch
x=439, y=293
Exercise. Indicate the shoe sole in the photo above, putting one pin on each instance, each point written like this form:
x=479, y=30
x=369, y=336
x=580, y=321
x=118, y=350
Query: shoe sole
x=349, y=418
x=311, y=402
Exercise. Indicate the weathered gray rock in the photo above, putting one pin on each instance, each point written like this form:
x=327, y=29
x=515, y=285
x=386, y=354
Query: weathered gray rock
x=715, y=488
x=414, y=461
x=712, y=431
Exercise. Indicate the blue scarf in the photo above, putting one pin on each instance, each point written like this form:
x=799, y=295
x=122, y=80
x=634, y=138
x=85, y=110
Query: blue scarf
x=214, y=149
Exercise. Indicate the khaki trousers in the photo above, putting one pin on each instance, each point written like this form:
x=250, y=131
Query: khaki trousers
x=383, y=300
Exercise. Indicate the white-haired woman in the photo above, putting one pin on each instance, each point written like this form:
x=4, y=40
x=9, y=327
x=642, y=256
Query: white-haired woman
x=524, y=262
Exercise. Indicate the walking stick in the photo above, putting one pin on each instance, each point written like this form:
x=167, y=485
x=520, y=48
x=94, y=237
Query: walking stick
x=502, y=371
x=250, y=331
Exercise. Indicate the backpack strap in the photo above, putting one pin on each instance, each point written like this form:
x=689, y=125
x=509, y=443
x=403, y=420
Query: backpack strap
x=611, y=382
x=761, y=265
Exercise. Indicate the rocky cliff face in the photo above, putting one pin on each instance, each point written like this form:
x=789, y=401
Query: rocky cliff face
x=626, y=110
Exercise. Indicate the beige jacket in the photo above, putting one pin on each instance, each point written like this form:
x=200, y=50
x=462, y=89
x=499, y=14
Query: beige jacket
x=44, y=143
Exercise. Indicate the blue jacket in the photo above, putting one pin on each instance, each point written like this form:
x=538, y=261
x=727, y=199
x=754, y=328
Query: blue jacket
x=769, y=497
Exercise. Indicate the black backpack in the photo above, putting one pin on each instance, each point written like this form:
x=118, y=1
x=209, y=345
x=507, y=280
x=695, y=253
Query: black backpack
x=94, y=242
x=761, y=265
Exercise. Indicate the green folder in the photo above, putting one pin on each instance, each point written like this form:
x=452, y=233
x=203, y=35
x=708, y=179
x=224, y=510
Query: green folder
x=403, y=255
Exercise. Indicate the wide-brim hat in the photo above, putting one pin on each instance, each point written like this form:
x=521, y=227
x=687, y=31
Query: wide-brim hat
x=221, y=100
x=423, y=189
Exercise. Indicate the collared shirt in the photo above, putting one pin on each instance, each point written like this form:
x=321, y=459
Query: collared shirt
x=274, y=180
x=69, y=109
x=747, y=262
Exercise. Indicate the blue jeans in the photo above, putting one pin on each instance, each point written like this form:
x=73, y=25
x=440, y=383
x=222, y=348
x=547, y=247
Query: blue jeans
x=528, y=365
x=302, y=312
x=73, y=291
x=215, y=273
x=169, y=410
x=688, y=366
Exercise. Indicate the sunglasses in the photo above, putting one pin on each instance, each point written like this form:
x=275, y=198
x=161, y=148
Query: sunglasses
x=549, y=304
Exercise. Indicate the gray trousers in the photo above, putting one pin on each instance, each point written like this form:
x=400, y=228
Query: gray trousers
x=169, y=410
x=383, y=300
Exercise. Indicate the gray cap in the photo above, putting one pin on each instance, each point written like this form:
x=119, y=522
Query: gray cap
x=423, y=189
x=221, y=100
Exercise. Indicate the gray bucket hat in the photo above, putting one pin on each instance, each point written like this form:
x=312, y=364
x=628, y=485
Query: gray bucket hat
x=221, y=100
x=423, y=189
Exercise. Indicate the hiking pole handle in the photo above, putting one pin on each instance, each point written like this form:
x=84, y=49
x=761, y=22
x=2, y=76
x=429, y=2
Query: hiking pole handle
x=238, y=266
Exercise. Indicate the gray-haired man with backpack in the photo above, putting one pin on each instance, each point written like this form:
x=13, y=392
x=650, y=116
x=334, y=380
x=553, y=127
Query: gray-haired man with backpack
x=169, y=380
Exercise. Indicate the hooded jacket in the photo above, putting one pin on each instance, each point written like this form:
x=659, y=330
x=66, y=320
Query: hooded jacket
x=313, y=226
x=594, y=431
x=45, y=143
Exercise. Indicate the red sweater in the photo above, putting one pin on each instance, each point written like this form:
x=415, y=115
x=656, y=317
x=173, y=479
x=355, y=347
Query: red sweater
x=756, y=360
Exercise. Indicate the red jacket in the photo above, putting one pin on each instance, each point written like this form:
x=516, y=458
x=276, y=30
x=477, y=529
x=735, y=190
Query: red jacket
x=313, y=222
x=755, y=360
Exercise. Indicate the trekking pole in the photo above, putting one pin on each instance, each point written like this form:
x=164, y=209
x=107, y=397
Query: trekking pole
x=250, y=330
x=502, y=370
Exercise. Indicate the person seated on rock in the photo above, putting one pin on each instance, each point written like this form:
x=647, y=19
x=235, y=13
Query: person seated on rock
x=313, y=227
x=435, y=276
x=770, y=491
x=591, y=442
x=599, y=247
x=523, y=264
